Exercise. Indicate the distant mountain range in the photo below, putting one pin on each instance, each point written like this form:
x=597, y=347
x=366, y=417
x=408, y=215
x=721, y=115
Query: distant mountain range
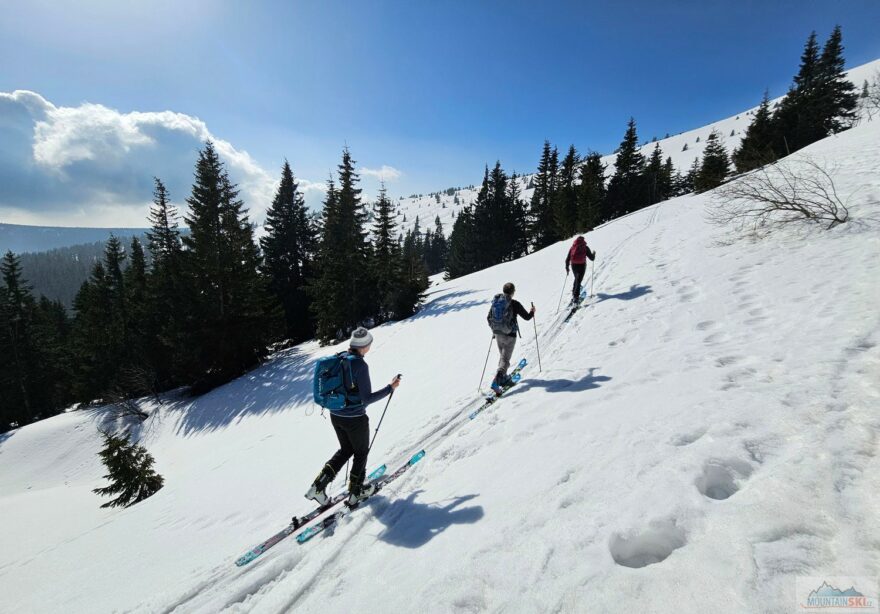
x=20, y=238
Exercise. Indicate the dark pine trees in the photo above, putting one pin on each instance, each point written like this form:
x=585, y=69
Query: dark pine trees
x=493, y=230
x=462, y=245
x=542, y=222
x=756, y=148
x=169, y=352
x=289, y=248
x=591, y=194
x=626, y=189
x=33, y=373
x=715, y=166
x=564, y=200
x=386, y=261
x=230, y=314
x=836, y=97
x=342, y=292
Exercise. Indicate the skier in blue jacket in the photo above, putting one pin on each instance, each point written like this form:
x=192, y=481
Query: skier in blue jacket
x=352, y=425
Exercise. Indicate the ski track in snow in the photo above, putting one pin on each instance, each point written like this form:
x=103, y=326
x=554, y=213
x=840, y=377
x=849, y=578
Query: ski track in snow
x=704, y=429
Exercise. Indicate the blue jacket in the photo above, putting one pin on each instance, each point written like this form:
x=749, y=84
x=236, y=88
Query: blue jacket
x=359, y=382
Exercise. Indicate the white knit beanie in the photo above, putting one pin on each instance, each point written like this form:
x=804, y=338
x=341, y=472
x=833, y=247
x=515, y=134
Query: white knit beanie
x=360, y=338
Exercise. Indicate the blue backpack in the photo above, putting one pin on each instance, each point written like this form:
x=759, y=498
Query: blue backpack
x=329, y=388
x=502, y=318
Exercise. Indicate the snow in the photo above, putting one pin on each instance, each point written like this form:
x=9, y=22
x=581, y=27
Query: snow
x=701, y=434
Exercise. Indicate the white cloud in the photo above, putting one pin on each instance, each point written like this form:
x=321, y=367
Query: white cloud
x=386, y=173
x=92, y=165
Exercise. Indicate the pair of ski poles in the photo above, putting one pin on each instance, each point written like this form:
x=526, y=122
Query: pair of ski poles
x=565, y=283
x=537, y=349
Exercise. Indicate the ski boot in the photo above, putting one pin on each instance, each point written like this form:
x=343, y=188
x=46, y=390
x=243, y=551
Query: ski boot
x=358, y=491
x=319, y=486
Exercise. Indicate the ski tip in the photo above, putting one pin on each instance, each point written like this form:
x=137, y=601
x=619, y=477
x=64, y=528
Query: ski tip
x=523, y=363
x=378, y=472
x=417, y=457
x=305, y=535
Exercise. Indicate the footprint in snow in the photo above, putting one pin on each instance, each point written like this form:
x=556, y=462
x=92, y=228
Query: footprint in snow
x=721, y=479
x=649, y=546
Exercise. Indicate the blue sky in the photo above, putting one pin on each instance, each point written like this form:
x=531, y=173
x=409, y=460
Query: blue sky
x=432, y=89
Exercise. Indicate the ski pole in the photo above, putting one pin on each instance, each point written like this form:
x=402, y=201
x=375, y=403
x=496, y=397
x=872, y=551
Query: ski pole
x=537, y=347
x=485, y=364
x=382, y=418
x=561, y=294
x=592, y=270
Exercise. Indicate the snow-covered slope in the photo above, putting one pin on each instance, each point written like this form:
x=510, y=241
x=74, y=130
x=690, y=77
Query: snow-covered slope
x=732, y=129
x=714, y=412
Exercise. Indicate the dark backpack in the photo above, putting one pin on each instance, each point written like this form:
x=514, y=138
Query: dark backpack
x=502, y=317
x=328, y=386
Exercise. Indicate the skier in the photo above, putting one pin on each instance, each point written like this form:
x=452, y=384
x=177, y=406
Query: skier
x=577, y=257
x=351, y=423
x=502, y=321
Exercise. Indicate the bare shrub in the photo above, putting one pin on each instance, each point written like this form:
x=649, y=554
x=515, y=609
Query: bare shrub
x=776, y=195
x=870, y=104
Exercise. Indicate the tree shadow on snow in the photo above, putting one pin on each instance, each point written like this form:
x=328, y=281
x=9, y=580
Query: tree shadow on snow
x=6, y=435
x=284, y=381
x=588, y=382
x=635, y=291
x=411, y=525
x=447, y=303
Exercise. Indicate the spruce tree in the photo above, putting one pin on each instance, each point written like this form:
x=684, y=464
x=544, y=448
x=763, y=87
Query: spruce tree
x=289, y=247
x=542, y=222
x=18, y=353
x=837, y=97
x=343, y=290
x=517, y=220
x=591, y=193
x=654, y=177
x=100, y=336
x=129, y=470
x=756, y=148
x=715, y=166
x=797, y=120
x=386, y=263
x=414, y=281
x=565, y=196
x=230, y=312
x=462, y=241
x=626, y=188
x=171, y=356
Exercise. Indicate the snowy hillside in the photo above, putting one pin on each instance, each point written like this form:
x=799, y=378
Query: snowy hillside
x=732, y=129
x=702, y=433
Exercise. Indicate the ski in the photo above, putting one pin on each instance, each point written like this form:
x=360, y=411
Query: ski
x=299, y=521
x=331, y=520
x=515, y=377
x=573, y=307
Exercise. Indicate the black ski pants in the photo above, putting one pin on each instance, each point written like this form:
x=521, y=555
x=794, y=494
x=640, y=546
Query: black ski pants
x=354, y=440
x=578, y=270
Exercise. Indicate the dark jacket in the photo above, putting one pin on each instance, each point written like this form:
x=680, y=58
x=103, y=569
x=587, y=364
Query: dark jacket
x=358, y=380
x=519, y=310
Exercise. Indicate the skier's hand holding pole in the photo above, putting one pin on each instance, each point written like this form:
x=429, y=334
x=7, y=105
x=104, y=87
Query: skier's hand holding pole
x=395, y=382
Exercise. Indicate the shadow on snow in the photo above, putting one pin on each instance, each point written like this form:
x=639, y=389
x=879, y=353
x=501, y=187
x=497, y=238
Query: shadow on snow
x=447, y=303
x=634, y=291
x=282, y=382
x=588, y=382
x=411, y=525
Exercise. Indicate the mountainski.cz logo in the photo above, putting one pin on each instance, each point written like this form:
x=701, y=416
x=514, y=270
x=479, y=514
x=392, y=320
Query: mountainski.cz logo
x=837, y=594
